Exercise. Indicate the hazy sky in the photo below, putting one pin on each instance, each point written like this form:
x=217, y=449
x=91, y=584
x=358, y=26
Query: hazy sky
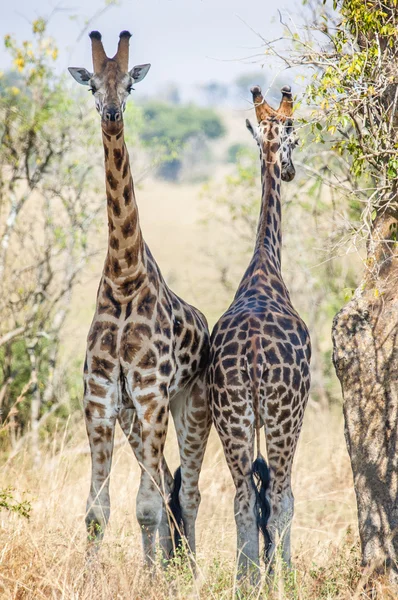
x=187, y=41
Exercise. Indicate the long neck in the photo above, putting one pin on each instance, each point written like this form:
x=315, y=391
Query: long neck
x=126, y=258
x=269, y=231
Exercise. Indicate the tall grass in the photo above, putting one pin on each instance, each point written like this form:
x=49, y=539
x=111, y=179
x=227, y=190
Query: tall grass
x=43, y=556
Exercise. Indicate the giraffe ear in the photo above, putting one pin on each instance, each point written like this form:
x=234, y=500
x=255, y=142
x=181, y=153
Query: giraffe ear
x=81, y=75
x=138, y=72
x=250, y=127
x=252, y=131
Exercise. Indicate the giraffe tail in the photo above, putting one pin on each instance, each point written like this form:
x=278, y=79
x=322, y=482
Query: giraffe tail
x=260, y=471
x=261, y=480
x=175, y=509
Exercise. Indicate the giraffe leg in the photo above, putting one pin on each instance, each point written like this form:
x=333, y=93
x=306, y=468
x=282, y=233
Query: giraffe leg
x=285, y=523
x=281, y=501
x=128, y=421
x=165, y=536
x=239, y=458
x=100, y=424
x=192, y=420
x=246, y=525
x=152, y=418
x=279, y=523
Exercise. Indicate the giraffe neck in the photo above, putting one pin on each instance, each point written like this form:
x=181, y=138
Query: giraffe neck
x=125, y=258
x=269, y=231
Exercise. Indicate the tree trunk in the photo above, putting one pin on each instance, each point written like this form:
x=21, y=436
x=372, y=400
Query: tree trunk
x=365, y=343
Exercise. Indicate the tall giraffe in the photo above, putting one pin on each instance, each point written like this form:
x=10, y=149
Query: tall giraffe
x=146, y=349
x=259, y=360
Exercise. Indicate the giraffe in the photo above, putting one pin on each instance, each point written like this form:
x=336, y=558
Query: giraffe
x=147, y=349
x=258, y=373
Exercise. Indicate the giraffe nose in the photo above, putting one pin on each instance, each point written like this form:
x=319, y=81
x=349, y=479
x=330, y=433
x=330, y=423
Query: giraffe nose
x=112, y=114
x=288, y=172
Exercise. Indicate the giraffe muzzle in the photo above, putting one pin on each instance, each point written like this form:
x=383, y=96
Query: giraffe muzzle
x=112, y=114
x=288, y=173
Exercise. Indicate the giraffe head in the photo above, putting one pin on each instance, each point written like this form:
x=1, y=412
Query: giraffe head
x=111, y=82
x=275, y=132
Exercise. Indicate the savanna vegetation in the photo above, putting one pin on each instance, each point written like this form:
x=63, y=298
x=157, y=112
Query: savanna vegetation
x=197, y=170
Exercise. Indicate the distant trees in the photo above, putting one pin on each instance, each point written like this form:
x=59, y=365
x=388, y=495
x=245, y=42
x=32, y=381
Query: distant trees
x=177, y=133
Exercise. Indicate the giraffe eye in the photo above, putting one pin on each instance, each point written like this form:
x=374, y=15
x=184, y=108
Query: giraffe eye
x=92, y=90
x=129, y=89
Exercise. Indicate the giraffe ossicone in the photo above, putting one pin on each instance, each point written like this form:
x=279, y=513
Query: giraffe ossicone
x=147, y=349
x=258, y=374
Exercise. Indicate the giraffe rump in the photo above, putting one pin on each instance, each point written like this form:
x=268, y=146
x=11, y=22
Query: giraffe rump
x=174, y=506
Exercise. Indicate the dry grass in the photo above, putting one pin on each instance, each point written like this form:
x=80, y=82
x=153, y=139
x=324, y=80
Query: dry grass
x=44, y=557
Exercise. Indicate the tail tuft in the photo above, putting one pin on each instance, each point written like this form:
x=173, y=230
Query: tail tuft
x=261, y=481
x=175, y=508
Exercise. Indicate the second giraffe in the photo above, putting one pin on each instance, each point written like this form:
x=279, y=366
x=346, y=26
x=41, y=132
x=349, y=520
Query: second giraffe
x=260, y=352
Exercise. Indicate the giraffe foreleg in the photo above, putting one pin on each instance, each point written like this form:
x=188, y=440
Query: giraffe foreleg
x=152, y=414
x=192, y=420
x=129, y=423
x=100, y=425
x=165, y=535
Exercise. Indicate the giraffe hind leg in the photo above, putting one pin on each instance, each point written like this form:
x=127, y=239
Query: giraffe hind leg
x=128, y=422
x=281, y=498
x=192, y=420
x=243, y=470
x=282, y=511
x=247, y=530
x=165, y=527
x=174, y=506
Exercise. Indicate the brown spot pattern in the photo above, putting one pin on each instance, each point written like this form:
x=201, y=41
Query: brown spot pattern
x=118, y=155
x=112, y=181
x=130, y=224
